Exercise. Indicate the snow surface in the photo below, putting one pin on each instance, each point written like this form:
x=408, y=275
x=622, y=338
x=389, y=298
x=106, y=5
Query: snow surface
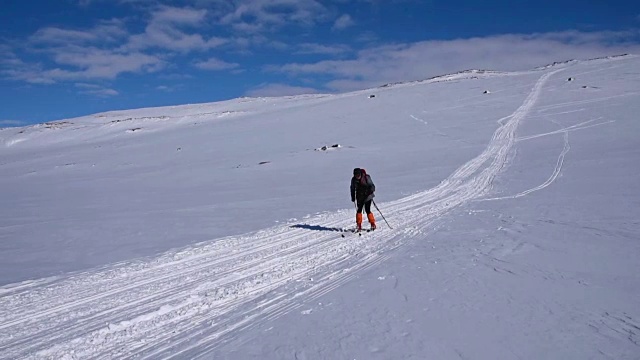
x=212, y=230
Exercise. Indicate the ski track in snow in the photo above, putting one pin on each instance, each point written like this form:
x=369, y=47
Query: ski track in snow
x=554, y=174
x=186, y=303
x=559, y=163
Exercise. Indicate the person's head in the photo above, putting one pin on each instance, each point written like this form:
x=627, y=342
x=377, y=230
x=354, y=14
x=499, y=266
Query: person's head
x=357, y=173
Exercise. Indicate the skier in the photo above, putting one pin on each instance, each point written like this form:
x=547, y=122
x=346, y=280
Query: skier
x=362, y=189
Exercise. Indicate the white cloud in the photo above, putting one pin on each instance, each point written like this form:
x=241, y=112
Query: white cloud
x=83, y=63
x=106, y=50
x=215, y=64
x=102, y=51
x=165, y=30
x=280, y=90
x=343, y=22
x=96, y=53
x=420, y=60
x=104, y=63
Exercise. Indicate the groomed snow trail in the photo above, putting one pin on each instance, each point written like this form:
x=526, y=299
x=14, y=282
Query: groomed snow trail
x=186, y=303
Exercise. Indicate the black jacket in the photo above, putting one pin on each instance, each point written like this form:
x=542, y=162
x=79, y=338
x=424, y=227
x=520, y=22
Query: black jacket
x=362, y=189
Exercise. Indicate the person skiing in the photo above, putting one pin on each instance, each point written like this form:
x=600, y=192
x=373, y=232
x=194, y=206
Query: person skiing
x=362, y=191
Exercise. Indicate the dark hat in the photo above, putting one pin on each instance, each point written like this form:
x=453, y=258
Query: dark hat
x=357, y=171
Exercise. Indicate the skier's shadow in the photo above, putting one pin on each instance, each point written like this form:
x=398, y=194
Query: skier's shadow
x=316, y=227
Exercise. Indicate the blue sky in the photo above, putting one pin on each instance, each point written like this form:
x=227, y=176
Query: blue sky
x=67, y=58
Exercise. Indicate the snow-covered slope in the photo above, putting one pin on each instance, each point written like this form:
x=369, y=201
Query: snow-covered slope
x=213, y=230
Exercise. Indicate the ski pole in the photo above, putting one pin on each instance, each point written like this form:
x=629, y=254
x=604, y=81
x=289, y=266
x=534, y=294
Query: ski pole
x=385, y=220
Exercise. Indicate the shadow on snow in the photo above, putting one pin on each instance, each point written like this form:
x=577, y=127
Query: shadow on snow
x=318, y=228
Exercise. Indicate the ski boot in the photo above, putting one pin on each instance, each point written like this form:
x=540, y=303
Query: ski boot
x=358, y=222
x=372, y=221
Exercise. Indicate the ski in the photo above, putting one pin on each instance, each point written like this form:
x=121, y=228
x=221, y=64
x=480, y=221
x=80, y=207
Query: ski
x=356, y=231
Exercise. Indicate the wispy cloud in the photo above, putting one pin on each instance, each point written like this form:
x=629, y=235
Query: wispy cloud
x=105, y=31
x=168, y=88
x=8, y=58
x=367, y=37
x=312, y=48
x=61, y=36
x=343, y=22
x=420, y=60
x=260, y=15
x=269, y=90
x=174, y=76
x=215, y=64
x=249, y=42
x=97, y=90
x=97, y=63
x=6, y=123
